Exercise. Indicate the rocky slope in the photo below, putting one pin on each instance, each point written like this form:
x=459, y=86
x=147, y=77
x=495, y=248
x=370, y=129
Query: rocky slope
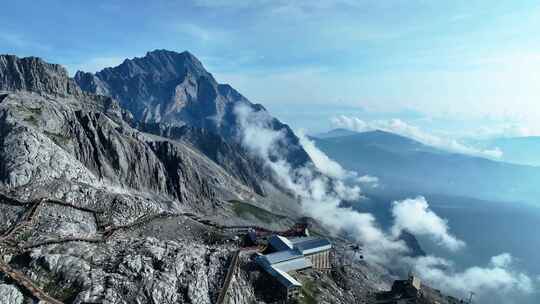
x=58, y=142
x=174, y=88
x=99, y=207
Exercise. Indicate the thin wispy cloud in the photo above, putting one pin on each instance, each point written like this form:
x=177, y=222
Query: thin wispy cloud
x=203, y=34
x=400, y=127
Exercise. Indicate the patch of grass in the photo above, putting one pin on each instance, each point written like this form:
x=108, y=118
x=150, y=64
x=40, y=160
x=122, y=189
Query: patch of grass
x=32, y=120
x=58, y=139
x=25, y=236
x=54, y=289
x=35, y=111
x=308, y=293
x=30, y=114
x=246, y=210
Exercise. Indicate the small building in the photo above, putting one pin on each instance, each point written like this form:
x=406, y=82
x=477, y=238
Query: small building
x=403, y=292
x=317, y=250
x=291, y=255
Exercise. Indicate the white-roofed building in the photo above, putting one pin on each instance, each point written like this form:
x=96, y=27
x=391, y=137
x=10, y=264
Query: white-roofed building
x=314, y=248
x=295, y=254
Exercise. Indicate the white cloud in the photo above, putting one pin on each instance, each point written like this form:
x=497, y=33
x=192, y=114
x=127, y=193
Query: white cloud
x=320, y=195
x=320, y=159
x=331, y=168
x=414, y=216
x=372, y=181
x=496, y=279
x=321, y=198
x=402, y=128
x=502, y=260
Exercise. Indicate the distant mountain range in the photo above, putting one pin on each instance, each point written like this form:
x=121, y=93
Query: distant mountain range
x=340, y=132
x=519, y=150
x=406, y=165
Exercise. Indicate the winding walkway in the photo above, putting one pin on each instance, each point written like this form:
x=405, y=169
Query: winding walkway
x=228, y=278
x=25, y=282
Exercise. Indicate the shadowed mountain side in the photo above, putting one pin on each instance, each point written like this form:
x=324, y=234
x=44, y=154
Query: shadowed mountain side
x=174, y=88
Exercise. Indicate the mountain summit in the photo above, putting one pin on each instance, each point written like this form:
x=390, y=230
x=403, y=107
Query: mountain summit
x=165, y=86
x=175, y=88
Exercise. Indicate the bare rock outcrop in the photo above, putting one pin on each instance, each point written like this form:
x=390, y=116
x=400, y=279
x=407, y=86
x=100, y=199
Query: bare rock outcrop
x=9, y=294
x=33, y=74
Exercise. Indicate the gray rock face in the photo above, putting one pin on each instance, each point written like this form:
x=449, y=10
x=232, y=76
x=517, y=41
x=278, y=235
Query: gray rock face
x=33, y=74
x=175, y=88
x=48, y=141
x=228, y=154
x=139, y=271
x=9, y=294
x=163, y=86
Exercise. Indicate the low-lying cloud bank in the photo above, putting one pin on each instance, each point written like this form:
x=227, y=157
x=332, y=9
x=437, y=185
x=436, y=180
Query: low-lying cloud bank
x=324, y=185
x=497, y=277
x=400, y=127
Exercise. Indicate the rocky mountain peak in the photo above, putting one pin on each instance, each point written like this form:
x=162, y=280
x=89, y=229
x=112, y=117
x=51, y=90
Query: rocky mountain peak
x=159, y=65
x=158, y=87
x=175, y=88
x=34, y=74
x=169, y=59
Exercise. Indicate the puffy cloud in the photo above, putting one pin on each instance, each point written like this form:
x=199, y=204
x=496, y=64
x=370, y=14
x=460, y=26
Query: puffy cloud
x=331, y=168
x=496, y=278
x=502, y=130
x=402, y=128
x=372, y=181
x=320, y=159
x=502, y=260
x=256, y=132
x=321, y=194
x=414, y=215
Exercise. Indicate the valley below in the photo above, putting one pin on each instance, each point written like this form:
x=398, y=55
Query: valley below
x=484, y=220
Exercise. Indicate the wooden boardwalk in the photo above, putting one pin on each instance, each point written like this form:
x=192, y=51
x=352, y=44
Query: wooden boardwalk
x=25, y=282
x=230, y=273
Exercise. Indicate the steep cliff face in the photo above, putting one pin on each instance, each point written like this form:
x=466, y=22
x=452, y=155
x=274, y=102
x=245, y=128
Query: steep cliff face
x=174, y=88
x=47, y=138
x=33, y=74
x=46, y=141
x=227, y=154
x=165, y=86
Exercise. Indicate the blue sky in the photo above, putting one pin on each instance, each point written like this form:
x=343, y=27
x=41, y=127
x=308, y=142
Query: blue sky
x=456, y=68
